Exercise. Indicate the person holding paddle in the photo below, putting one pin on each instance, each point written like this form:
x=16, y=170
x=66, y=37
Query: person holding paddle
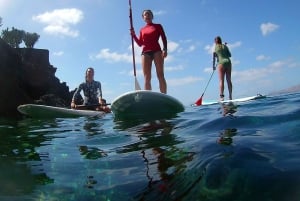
x=148, y=39
x=224, y=66
x=92, y=94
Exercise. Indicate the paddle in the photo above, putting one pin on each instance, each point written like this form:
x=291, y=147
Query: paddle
x=199, y=101
x=137, y=86
x=81, y=107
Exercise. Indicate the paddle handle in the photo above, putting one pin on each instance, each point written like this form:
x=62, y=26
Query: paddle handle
x=214, y=60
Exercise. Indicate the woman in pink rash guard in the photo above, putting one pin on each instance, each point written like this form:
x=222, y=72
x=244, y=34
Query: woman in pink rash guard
x=151, y=50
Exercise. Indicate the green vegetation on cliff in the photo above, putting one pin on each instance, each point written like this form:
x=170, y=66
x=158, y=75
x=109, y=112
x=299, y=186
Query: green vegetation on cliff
x=15, y=37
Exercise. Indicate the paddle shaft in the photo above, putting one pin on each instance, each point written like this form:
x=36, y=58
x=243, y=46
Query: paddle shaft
x=214, y=68
x=199, y=101
x=137, y=85
x=94, y=105
x=208, y=83
x=132, y=43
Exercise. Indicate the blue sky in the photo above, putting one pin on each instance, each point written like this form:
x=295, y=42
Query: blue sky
x=263, y=37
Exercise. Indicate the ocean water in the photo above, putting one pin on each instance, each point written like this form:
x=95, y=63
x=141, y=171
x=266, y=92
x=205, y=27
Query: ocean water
x=241, y=151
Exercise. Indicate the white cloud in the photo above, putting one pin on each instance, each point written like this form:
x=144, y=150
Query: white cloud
x=111, y=57
x=59, y=53
x=159, y=12
x=138, y=72
x=5, y=6
x=186, y=46
x=191, y=48
x=267, y=28
x=234, y=62
x=183, y=81
x=174, y=68
x=255, y=74
x=208, y=69
x=57, y=29
x=59, y=21
x=210, y=48
x=262, y=57
x=234, y=45
x=172, y=46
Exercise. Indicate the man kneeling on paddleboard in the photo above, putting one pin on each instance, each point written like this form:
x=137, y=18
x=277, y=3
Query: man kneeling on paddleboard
x=92, y=94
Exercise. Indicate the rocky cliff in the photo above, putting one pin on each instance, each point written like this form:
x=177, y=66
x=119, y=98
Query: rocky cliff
x=26, y=76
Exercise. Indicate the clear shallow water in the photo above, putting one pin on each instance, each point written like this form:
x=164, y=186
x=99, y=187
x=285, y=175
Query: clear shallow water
x=246, y=151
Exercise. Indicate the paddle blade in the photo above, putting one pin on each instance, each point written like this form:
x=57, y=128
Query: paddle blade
x=199, y=101
x=136, y=84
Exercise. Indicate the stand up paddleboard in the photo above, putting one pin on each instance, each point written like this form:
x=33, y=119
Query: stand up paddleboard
x=145, y=105
x=258, y=96
x=44, y=111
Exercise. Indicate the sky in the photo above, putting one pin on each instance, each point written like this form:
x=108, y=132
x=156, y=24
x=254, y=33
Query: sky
x=263, y=37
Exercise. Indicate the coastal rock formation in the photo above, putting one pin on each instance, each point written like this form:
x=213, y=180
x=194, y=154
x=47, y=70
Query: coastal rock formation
x=28, y=77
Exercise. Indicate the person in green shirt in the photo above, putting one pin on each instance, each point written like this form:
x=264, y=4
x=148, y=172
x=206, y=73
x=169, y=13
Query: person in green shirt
x=223, y=55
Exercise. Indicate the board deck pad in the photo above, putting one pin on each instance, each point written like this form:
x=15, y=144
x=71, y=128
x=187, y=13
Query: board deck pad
x=146, y=105
x=44, y=111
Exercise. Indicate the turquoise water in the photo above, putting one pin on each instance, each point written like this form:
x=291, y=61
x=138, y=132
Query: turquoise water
x=244, y=151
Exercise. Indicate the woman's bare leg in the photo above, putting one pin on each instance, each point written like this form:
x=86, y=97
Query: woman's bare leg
x=159, y=64
x=228, y=79
x=221, y=81
x=146, y=65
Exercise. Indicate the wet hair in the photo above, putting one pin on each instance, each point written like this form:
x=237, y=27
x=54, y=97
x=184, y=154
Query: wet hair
x=218, y=40
x=89, y=68
x=147, y=11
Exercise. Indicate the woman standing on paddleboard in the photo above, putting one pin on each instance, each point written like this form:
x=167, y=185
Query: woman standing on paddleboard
x=92, y=93
x=224, y=66
x=148, y=39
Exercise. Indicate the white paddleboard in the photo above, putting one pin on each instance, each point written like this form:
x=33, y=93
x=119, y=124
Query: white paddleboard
x=258, y=96
x=44, y=111
x=146, y=105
